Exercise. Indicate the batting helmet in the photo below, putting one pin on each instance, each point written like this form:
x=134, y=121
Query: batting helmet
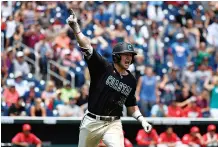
x=120, y=48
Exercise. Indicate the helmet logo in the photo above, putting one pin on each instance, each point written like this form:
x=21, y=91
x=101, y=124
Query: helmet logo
x=130, y=47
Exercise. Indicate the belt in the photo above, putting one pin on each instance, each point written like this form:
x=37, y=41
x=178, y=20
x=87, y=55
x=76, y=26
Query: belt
x=104, y=118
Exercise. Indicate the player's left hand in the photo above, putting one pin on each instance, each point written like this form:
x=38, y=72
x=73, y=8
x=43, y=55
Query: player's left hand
x=147, y=127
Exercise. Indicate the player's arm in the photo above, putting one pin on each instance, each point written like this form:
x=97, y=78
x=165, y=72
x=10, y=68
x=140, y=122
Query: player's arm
x=138, y=89
x=135, y=112
x=82, y=40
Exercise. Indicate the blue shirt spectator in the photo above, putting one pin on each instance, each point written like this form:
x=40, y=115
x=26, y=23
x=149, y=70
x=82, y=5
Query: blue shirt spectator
x=180, y=52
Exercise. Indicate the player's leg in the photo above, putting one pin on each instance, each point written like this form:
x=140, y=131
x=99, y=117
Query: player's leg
x=113, y=136
x=90, y=132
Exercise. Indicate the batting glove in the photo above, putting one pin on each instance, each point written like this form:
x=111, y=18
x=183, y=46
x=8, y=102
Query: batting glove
x=72, y=21
x=147, y=127
x=138, y=116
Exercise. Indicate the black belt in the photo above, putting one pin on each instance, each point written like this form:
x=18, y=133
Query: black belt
x=104, y=118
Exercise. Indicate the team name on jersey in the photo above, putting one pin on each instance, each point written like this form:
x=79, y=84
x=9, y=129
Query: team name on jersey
x=118, y=86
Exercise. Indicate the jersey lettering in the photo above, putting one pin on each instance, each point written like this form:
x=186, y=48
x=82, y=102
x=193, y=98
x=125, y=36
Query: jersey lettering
x=118, y=86
x=121, y=101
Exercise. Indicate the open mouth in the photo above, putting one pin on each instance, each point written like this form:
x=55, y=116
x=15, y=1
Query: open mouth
x=127, y=62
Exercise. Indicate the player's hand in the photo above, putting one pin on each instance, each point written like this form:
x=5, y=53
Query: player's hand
x=147, y=127
x=72, y=18
x=72, y=21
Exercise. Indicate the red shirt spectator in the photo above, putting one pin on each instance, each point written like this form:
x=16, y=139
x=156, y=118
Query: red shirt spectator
x=174, y=110
x=211, y=138
x=144, y=138
x=26, y=138
x=193, y=138
x=11, y=95
x=168, y=137
x=192, y=110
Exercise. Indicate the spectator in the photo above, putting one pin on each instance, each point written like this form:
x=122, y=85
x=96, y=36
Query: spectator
x=147, y=139
x=44, y=53
x=28, y=14
x=201, y=75
x=122, y=8
x=194, y=138
x=119, y=34
x=180, y=52
x=20, y=64
x=138, y=35
x=17, y=109
x=169, y=139
x=49, y=93
x=10, y=30
x=146, y=91
x=26, y=138
x=31, y=35
x=139, y=64
x=155, y=51
x=57, y=101
x=21, y=85
x=183, y=98
x=192, y=110
x=10, y=94
x=7, y=62
x=211, y=138
x=31, y=94
x=6, y=9
x=18, y=35
x=170, y=86
x=188, y=75
x=101, y=17
x=203, y=102
x=37, y=109
x=159, y=109
x=193, y=34
x=183, y=16
x=62, y=40
x=66, y=62
x=212, y=32
x=84, y=94
x=203, y=53
x=213, y=88
x=155, y=11
x=174, y=110
x=68, y=92
x=70, y=109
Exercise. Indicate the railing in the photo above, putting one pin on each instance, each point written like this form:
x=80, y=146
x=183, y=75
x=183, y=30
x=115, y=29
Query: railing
x=76, y=120
x=2, y=41
x=50, y=72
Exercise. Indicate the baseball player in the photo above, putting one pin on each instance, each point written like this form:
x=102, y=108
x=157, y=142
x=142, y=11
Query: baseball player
x=112, y=86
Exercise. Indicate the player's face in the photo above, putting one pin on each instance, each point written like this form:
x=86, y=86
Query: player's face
x=126, y=60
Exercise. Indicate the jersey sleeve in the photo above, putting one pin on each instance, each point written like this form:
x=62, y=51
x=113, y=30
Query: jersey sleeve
x=16, y=138
x=96, y=63
x=36, y=140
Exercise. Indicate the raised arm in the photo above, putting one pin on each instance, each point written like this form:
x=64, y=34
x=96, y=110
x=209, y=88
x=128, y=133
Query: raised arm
x=83, y=41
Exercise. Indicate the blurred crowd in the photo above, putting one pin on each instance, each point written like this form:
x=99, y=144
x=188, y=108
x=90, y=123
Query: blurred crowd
x=176, y=67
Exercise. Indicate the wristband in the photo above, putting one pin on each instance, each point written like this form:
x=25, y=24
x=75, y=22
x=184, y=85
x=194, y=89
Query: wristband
x=78, y=33
x=138, y=116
